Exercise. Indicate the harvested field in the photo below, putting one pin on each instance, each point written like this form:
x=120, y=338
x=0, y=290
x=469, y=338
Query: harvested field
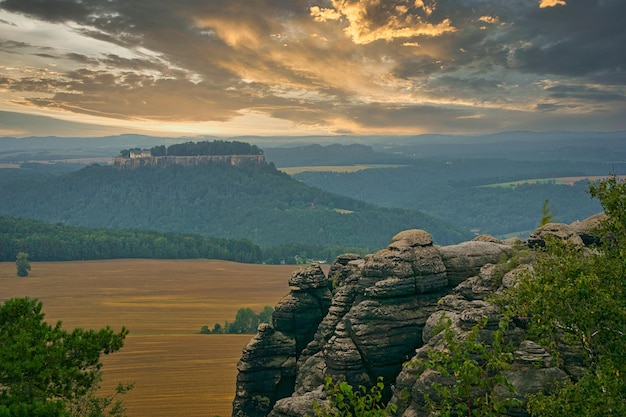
x=163, y=303
x=336, y=168
x=555, y=181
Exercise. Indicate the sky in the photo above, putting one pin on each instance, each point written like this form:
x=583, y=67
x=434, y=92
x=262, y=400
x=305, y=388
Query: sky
x=294, y=67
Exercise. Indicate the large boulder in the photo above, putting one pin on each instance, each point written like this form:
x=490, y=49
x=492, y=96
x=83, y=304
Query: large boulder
x=464, y=260
x=589, y=228
x=533, y=369
x=393, y=291
x=558, y=231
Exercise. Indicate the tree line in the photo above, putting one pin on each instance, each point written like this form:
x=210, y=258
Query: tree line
x=42, y=241
x=246, y=322
x=57, y=242
x=216, y=147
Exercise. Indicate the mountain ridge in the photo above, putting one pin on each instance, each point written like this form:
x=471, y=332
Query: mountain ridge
x=259, y=203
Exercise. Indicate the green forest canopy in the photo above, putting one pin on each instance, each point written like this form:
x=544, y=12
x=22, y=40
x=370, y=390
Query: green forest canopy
x=216, y=147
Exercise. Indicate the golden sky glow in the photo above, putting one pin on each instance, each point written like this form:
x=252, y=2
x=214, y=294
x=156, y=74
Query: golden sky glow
x=270, y=67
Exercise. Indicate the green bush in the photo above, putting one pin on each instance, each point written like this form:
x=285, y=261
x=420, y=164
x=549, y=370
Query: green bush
x=345, y=401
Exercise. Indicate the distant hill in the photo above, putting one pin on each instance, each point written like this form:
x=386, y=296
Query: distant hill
x=459, y=191
x=254, y=202
x=334, y=154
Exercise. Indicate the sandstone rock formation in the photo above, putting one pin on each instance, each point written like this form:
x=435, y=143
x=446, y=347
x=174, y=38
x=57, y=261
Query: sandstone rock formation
x=165, y=161
x=372, y=315
x=267, y=369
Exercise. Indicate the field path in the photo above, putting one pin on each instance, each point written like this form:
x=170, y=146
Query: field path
x=163, y=303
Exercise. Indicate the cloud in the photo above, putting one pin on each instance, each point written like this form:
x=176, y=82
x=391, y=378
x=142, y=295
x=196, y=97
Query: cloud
x=581, y=39
x=372, y=20
x=582, y=92
x=551, y=3
x=489, y=19
x=339, y=65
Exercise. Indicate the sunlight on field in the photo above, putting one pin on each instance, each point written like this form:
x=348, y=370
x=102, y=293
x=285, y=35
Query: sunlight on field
x=556, y=180
x=335, y=168
x=164, y=304
x=343, y=211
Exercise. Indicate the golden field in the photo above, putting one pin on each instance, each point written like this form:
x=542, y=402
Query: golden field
x=163, y=303
x=336, y=168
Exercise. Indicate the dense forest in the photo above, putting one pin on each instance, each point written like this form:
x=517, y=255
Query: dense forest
x=216, y=147
x=461, y=190
x=334, y=154
x=258, y=203
x=57, y=242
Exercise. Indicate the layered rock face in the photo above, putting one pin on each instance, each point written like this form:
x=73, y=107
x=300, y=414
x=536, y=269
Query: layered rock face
x=268, y=365
x=370, y=316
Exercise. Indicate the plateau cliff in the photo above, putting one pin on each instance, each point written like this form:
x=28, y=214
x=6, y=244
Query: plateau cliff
x=371, y=316
x=133, y=161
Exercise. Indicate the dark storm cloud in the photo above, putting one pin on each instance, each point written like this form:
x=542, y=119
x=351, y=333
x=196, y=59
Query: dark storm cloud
x=586, y=37
x=584, y=93
x=49, y=10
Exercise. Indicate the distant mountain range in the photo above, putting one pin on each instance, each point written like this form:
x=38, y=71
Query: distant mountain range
x=520, y=145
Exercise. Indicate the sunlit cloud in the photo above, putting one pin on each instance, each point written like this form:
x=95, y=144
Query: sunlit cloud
x=551, y=3
x=372, y=20
x=333, y=66
x=489, y=19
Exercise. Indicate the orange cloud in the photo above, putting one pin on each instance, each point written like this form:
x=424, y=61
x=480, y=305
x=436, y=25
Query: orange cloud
x=369, y=21
x=551, y=3
x=489, y=19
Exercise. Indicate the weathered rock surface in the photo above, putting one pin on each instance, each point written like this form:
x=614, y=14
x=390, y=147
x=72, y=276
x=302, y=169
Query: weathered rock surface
x=464, y=260
x=556, y=230
x=268, y=365
x=588, y=229
x=267, y=371
x=532, y=369
x=383, y=313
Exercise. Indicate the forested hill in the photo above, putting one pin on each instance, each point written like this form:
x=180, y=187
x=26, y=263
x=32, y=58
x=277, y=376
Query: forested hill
x=257, y=202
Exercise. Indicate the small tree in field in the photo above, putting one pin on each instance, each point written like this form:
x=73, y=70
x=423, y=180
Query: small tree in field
x=22, y=264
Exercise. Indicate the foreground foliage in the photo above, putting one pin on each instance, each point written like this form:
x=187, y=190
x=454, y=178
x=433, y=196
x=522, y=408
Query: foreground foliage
x=48, y=371
x=574, y=301
x=473, y=371
x=345, y=401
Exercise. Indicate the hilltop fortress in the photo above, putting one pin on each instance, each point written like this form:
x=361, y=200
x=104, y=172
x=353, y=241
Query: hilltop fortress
x=191, y=154
x=133, y=162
